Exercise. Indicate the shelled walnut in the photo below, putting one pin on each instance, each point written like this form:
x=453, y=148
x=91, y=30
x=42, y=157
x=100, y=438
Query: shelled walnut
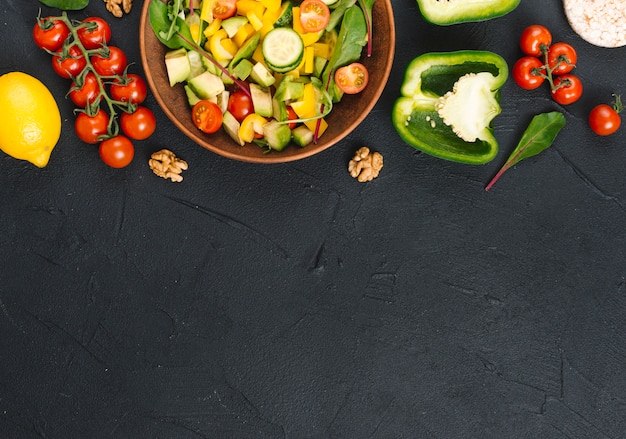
x=365, y=165
x=119, y=7
x=164, y=163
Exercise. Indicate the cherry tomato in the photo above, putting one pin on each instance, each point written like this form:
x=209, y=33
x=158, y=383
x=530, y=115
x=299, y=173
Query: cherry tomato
x=568, y=89
x=534, y=39
x=113, y=63
x=94, y=33
x=291, y=115
x=132, y=88
x=207, y=116
x=90, y=129
x=138, y=125
x=224, y=9
x=526, y=72
x=240, y=105
x=71, y=65
x=352, y=79
x=604, y=120
x=117, y=152
x=561, y=58
x=314, y=15
x=87, y=92
x=50, y=34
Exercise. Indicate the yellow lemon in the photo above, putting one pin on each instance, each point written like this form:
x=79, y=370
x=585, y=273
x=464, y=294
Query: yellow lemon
x=31, y=121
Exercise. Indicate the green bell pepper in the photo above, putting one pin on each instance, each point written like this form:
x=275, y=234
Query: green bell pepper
x=448, y=102
x=462, y=11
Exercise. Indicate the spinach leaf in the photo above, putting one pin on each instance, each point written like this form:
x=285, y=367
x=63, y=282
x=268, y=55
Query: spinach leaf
x=66, y=5
x=337, y=13
x=367, y=5
x=539, y=135
x=168, y=26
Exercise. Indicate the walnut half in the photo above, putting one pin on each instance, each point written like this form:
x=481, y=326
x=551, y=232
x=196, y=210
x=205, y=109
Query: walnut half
x=119, y=7
x=365, y=165
x=164, y=163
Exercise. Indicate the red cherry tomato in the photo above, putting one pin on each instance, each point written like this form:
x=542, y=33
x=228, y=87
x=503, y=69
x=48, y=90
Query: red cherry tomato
x=90, y=129
x=314, y=15
x=352, y=79
x=561, y=58
x=117, y=152
x=71, y=65
x=112, y=63
x=138, y=125
x=534, y=39
x=240, y=105
x=207, y=116
x=94, y=33
x=568, y=89
x=604, y=120
x=224, y=9
x=85, y=93
x=50, y=34
x=291, y=115
x=526, y=72
x=132, y=88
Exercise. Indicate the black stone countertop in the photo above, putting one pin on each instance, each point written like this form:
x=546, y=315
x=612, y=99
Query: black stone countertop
x=291, y=301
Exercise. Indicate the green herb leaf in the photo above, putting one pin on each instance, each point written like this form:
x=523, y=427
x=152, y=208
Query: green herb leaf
x=539, y=135
x=66, y=5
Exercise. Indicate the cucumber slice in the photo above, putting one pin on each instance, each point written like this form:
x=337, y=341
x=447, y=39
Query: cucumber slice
x=283, y=49
x=286, y=15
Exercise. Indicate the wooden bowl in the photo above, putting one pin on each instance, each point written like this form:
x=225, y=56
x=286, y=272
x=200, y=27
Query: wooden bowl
x=343, y=119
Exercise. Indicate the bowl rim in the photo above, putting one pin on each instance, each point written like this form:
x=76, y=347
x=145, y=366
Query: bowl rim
x=145, y=29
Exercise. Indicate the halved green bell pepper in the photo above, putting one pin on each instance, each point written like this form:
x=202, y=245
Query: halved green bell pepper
x=448, y=102
x=445, y=12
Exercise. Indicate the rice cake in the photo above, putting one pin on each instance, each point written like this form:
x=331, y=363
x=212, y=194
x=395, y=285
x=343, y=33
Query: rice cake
x=599, y=22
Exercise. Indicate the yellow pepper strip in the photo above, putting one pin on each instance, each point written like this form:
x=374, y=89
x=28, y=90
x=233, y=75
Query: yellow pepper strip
x=246, y=6
x=206, y=13
x=312, y=124
x=220, y=47
x=255, y=21
x=252, y=123
x=305, y=107
x=309, y=54
x=212, y=28
x=295, y=14
x=322, y=50
x=272, y=5
x=243, y=34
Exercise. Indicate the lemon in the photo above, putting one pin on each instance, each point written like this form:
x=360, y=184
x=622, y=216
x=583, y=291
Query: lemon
x=31, y=121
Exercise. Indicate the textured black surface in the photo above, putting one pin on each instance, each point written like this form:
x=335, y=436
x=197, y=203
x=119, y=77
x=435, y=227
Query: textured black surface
x=290, y=301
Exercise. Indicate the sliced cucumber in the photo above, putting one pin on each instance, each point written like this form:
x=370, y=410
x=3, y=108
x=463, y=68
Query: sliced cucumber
x=278, y=135
x=283, y=49
x=302, y=135
x=286, y=15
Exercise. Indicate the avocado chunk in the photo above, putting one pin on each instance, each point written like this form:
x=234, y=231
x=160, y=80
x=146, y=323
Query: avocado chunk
x=177, y=65
x=206, y=85
x=261, y=100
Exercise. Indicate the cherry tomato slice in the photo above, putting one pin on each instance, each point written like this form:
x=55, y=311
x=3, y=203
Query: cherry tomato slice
x=314, y=15
x=91, y=129
x=224, y=9
x=352, y=79
x=117, y=152
x=207, y=116
x=526, y=72
x=604, y=120
x=569, y=92
x=561, y=58
x=140, y=124
x=50, y=34
x=85, y=93
x=94, y=33
x=534, y=39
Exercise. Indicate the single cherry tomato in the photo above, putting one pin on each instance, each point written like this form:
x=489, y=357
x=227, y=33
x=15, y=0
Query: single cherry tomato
x=87, y=92
x=224, y=9
x=561, y=58
x=352, y=79
x=534, y=39
x=138, y=125
x=112, y=62
x=527, y=72
x=568, y=89
x=207, y=116
x=131, y=88
x=91, y=129
x=604, y=120
x=240, y=105
x=94, y=33
x=291, y=115
x=314, y=15
x=117, y=152
x=69, y=65
x=50, y=34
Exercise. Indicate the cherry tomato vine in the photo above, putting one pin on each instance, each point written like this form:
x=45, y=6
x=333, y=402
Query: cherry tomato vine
x=102, y=89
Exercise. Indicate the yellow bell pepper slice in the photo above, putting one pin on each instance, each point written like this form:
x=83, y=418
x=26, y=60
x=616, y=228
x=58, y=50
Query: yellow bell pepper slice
x=221, y=46
x=246, y=6
x=272, y=5
x=254, y=20
x=305, y=107
x=312, y=125
x=252, y=123
x=243, y=34
x=206, y=13
x=212, y=28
